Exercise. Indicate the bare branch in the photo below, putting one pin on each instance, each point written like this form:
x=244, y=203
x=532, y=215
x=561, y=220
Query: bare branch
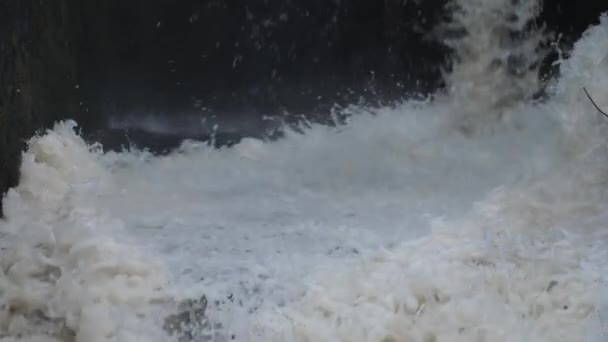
x=594, y=104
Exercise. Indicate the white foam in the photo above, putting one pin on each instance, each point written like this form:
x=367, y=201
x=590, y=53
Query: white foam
x=526, y=265
x=67, y=268
x=394, y=227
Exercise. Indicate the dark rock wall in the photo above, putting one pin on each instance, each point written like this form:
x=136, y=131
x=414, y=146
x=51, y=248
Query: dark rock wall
x=37, y=75
x=263, y=55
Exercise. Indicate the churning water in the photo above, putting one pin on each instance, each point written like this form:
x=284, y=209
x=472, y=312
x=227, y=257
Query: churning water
x=395, y=227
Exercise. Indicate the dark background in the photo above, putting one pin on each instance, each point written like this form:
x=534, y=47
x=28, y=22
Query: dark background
x=279, y=58
x=269, y=56
x=232, y=60
x=263, y=56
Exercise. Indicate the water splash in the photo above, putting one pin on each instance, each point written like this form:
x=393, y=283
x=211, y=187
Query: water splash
x=362, y=232
x=496, y=52
x=64, y=274
x=525, y=264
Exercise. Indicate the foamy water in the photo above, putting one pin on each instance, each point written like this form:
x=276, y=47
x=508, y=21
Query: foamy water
x=394, y=227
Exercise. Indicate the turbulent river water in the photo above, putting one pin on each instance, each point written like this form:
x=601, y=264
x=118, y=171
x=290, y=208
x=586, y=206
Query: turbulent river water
x=394, y=227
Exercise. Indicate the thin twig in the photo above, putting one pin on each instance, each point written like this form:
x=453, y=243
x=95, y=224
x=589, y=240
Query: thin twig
x=594, y=104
